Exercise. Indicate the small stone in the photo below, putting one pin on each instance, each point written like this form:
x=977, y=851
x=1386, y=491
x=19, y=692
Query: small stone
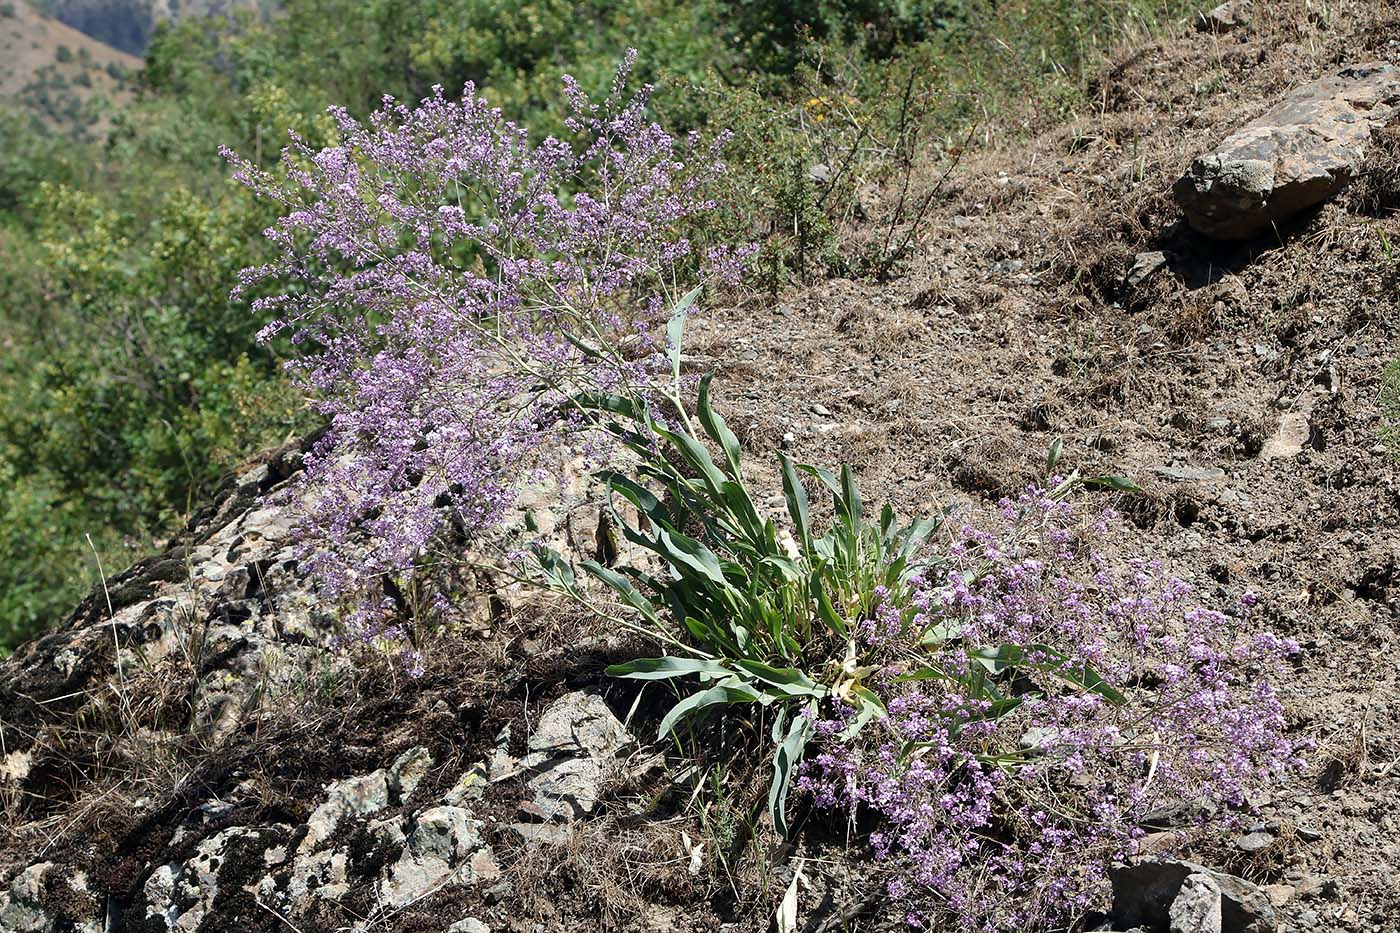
x=1225, y=17
x=821, y=411
x=408, y=770
x=469, y=925
x=1279, y=894
x=1307, y=833
x=1145, y=265
x=788, y=440
x=1190, y=474
x=470, y=786
x=1255, y=842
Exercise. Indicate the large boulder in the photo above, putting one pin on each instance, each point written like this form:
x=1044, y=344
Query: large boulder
x=1298, y=154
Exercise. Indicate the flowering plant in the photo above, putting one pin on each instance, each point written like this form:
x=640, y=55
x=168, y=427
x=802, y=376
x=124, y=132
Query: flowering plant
x=1042, y=703
x=450, y=283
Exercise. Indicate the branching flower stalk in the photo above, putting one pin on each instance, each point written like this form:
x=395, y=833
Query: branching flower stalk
x=451, y=284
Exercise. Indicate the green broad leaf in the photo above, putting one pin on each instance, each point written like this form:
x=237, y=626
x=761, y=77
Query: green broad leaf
x=684, y=552
x=635, y=493
x=1002, y=657
x=1116, y=483
x=1057, y=447
x=826, y=477
x=917, y=535
x=675, y=329
x=555, y=567
x=717, y=429
x=624, y=588
x=923, y=673
x=741, y=508
x=785, y=761
x=612, y=404
x=939, y=633
x=698, y=457
x=868, y=707
x=796, y=502
x=665, y=668
x=826, y=611
x=789, y=680
x=850, y=499
x=587, y=349
x=732, y=690
x=784, y=565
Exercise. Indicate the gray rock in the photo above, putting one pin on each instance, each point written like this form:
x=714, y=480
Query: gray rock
x=573, y=749
x=1227, y=16
x=1296, y=155
x=1196, y=907
x=407, y=771
x=355, y=796
x=21, y=907
x=444, y=848
x=181, y=894
x=1143, y=894
x=469, y=925
x=1255, y=842
x=1145, y=265
x=1190, y=474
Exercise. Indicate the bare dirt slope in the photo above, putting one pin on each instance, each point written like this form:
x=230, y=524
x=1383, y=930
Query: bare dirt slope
x=1240, y=385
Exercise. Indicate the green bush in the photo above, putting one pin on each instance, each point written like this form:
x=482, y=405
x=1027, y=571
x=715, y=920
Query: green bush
x=756, y=616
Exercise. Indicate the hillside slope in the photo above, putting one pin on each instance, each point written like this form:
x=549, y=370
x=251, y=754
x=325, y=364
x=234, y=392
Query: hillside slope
x=233, y=773
x=128, y=24
x=53, y=71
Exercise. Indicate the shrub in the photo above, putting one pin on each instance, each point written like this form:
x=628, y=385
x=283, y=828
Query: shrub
x=757, y=616
x=450, y=282
x=1043, y=701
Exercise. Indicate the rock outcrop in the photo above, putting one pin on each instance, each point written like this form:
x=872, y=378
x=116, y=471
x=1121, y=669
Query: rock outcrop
x=1298, y=154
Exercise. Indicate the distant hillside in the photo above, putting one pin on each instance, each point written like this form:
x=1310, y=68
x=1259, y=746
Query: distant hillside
x=127, y=24
x=55, y=72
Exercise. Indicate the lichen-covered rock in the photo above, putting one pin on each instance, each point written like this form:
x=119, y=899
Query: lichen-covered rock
x=445, y=847
x=1196, y=908
x=1298, y=154
x=356, y=796
x=354, y=842
x=571, y=752
x=21, y=907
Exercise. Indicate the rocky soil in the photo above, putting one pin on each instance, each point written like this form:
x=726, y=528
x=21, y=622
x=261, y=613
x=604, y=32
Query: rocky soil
x=186, y=752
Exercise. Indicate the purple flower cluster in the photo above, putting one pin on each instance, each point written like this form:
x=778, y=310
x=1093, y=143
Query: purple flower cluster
x=1043, y=700
x=448, y=282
